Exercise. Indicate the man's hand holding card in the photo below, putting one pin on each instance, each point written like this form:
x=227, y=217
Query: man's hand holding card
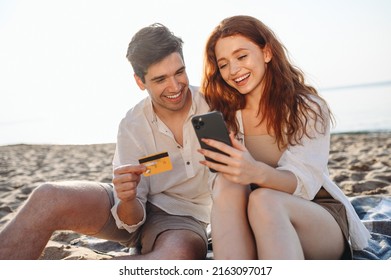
x=156, y=163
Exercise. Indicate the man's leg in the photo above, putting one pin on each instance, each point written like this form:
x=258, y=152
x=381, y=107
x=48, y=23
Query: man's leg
x=171, y=237
x=83, y=207
x=174, y=245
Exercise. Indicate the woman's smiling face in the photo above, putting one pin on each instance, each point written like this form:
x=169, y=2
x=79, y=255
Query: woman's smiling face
x=242, y=63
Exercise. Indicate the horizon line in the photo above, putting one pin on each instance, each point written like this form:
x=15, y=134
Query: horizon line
x=375, y=84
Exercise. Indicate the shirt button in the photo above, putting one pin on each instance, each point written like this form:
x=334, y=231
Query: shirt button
x=188, y=163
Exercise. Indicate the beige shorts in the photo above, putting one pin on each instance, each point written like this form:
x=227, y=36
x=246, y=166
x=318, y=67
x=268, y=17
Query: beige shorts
x=157, y=222
x=337, y=210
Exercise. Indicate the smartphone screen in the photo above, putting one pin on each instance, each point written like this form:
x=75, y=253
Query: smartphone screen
x=212, y=126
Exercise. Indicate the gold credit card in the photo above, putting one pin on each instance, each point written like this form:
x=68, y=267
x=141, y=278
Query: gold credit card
x=156, y=163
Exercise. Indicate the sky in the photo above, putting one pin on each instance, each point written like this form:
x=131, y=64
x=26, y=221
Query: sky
x=64, y=77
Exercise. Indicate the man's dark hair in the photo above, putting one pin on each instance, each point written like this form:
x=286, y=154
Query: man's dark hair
x=150, y=45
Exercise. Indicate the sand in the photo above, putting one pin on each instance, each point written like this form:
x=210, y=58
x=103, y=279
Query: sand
x=360, y=164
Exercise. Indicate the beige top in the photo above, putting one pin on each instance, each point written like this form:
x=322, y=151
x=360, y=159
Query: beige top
x=263, y=148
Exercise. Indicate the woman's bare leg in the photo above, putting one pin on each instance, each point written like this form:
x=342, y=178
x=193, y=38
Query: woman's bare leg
x=288, y=227
x=231, y=234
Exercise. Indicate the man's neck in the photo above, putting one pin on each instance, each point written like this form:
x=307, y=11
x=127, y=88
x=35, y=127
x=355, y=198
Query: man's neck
x=175, y=120
x=169, y=116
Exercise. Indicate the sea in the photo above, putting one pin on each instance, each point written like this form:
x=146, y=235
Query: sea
x=359, y=108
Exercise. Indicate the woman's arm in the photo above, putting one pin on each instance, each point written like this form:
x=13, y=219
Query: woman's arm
x=240, y=167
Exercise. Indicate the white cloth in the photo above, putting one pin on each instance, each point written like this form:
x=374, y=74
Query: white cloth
x=182, y=191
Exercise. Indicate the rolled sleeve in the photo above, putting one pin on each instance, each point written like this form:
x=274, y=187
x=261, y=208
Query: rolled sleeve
x=121, y=225
x=308, y=179
x=308, y=162
x=142, y=192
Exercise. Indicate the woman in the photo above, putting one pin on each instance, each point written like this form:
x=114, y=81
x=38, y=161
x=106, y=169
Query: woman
x=272, y=195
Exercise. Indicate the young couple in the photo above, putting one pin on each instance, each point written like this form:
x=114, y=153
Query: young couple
x=271, y=197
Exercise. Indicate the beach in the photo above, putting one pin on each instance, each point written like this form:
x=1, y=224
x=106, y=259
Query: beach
x=360, y=163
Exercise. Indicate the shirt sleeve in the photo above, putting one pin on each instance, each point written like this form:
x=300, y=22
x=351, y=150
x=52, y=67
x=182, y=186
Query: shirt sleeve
x=127, y=152
x=308, y=160
x=120, y=224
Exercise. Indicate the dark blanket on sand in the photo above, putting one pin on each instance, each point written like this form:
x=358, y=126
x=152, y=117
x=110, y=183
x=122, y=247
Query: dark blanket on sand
x=375, y=212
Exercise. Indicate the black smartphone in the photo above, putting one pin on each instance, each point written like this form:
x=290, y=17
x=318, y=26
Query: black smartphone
x=211, y=125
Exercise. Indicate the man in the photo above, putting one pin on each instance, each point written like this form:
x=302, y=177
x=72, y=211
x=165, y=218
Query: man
x=163, y=214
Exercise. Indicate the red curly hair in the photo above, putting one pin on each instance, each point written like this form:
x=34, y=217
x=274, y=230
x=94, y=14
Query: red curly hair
x=286, y=102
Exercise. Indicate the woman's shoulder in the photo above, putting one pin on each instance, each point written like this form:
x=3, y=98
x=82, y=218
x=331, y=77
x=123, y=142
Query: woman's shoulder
x=313, y=98
x=317, y=103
